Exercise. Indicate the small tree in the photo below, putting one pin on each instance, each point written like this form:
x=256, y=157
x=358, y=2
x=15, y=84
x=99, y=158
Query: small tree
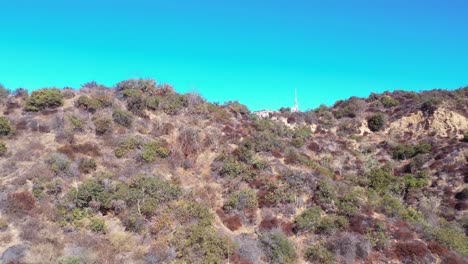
x=5, y=128
x=278, y=248
x=88, y=104
x=319, y=254
x=389, y=102
x=3, y=91
x=144, y=85
x=102, y=125
x=122, y=118
x=309, y=219
x=465, y=137
x=44, y=98
x=87, y=165
x=97, y=225
x=376, y=122
x=3, y=149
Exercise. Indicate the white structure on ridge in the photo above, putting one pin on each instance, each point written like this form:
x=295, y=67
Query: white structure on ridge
x=296, y=105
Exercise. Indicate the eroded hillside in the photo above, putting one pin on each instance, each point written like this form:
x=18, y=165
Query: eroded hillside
x=138, y=173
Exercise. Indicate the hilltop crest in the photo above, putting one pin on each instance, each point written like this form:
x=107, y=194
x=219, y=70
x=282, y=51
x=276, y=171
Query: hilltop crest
x=139, y=173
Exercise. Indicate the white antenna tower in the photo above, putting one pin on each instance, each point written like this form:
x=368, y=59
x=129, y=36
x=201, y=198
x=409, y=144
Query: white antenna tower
x=296, y=103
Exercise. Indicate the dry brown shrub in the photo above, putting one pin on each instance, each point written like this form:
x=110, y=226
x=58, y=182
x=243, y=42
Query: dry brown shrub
x=161, y=129
x=437, y=248
x=410, y=250
x=22, y=201
x=287, y=228
x=402, y=231
x=30, y=228
x=461, y=206
x=233, y=222
x=5, y=237
x=22, y=125
x=87, y=148
x=360, y=224
x=269, y=224
x=452, y=258
x=42, y=253
x=43, y=128
x=190, y=141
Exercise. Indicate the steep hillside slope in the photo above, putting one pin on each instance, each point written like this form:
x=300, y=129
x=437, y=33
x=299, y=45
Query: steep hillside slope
x=138, y=173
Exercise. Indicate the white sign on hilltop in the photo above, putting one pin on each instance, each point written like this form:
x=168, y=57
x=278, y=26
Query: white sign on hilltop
x=295, y=108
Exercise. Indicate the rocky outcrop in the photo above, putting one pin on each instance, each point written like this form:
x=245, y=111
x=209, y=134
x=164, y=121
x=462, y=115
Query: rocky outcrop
x=443, y=122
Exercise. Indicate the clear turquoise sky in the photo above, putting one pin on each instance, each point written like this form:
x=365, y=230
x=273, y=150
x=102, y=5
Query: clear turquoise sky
x=253, y=51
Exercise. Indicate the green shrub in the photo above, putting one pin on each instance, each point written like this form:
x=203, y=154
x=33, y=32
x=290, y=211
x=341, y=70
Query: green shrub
x=77, y=216
x=132, y=93
x=88, y=104
x=136, y=102
x=97, y=225
x=378, y=237
x=152, y=150
x=173, y=103
x=126, y=146
x=244, y=199
x=262, y=124
x=87, y=165
x=376, y=122
x=389, y=102
x=202, y=244
x=237, y=108
x=423, y=148
x=391, y=205
x=278, y=248
x=4, y=224
x=326, y=193
x=3, y=149
x=465, y=137
x=143, y=85
x=77, y=123
x=462, y=195
x=319, y=254
x=300, y=136
x=70, y=260
x=43, y=187
x=104, y=99
x=418, y=181
x=232, y=168
x=90, y=190
x=4, y=92
x=412, y=215
x=279, y=194
x=402, y=152
x=309, y=219
x=5, y=127
x=349, y=205
x=145, y=194
x=148, y=189
x=58, y=163
x=267, y=141
x=44, y=98
x=122, y=118
x=192, y=212
x=452, y=237
x=330, y=224
x=382, y=180
x=102, y=125
x=349, y=108
x=152, y=103
x=429, y=106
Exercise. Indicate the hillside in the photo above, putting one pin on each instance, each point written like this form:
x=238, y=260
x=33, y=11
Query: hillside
x=138, y=173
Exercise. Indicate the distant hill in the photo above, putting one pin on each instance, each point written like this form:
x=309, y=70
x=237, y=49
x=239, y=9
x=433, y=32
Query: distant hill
x=138, y=173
